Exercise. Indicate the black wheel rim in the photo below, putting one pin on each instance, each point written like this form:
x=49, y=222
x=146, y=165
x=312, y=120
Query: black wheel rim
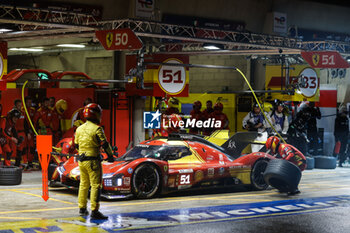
x=258, y=174
x=146, y=180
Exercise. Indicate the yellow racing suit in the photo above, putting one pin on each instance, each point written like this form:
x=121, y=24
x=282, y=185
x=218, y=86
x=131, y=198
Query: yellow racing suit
x=89, y=137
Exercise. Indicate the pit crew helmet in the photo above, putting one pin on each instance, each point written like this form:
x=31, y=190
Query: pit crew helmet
x=272, y=143
x=256, y=105
x=343, y=109
x=93, y=112
x=173, y=103
x=197, y=104
x=218, y=106
x=13, y=113
x=61, y=106
x=267, y=107
x=279, y=103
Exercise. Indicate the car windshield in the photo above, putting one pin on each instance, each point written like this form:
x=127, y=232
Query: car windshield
x=163, y=152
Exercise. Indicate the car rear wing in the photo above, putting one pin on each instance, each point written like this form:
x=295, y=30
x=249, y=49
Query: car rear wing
x=239, y=141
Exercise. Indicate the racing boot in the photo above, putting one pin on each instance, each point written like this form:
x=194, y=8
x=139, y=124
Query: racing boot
x=98, y=215
x=29, y=166
x=18, y=159
x=7, y=161
x=83, y=212
x=296, y=191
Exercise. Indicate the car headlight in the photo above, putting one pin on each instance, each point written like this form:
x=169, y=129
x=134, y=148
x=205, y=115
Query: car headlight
x=110, y=181
x=119, y=181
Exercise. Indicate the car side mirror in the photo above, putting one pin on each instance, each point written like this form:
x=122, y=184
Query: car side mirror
x=186, y=153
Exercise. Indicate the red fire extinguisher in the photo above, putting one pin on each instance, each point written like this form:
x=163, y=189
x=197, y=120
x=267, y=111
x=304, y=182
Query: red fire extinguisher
x=337, y=147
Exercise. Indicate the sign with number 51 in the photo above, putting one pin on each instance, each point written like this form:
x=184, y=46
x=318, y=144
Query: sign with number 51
x=325, y=59
x=172, y=79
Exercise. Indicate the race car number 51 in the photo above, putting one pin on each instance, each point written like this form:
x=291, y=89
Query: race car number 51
x=185, y=179
x=172, y=79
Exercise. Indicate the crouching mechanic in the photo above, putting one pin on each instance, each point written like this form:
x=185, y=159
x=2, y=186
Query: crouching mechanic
x=287, y=152
x=89, y=137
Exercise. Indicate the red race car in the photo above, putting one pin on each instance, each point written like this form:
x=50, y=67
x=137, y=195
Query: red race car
x=178, y=162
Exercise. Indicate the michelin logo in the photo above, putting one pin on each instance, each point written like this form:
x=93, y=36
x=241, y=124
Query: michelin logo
x=151, y=120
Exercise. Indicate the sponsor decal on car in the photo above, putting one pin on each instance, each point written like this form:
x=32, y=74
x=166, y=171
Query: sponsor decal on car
x=210, y=157
x=210, y=172
x=186, y=171
x=130, y=170
x=185, y=179
x=171, y=182
x=221, y=171
x=198, y=176
x=127, y=181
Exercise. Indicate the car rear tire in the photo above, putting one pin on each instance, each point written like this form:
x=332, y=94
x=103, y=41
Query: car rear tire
x=257, y=175
x=10, y=175
x=325, y=162
x=282, y=175
x=145, y=181
x=310, y=163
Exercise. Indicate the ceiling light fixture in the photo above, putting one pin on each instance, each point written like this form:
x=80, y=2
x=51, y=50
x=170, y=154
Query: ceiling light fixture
x=211, y=47
x=2, y=30
x=71, y=45
x=26, y=49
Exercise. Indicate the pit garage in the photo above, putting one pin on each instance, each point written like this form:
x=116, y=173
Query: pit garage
x=152, y=66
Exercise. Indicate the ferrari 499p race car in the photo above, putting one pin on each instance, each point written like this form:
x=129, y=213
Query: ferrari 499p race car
x=178, y=162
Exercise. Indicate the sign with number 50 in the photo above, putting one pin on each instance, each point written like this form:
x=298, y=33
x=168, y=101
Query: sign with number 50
x=309, y=82
x=119, y=39
x=172, y=79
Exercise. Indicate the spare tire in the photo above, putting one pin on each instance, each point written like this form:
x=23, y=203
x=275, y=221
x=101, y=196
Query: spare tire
x=282, y=175
x=325, y=162
x=310, y=163
x=10, y=175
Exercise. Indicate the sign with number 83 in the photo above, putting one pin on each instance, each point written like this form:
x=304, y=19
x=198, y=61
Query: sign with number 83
x=310, y=82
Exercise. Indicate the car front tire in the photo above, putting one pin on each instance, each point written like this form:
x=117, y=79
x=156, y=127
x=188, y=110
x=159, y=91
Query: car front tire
x=145, y=181
x=257, y=175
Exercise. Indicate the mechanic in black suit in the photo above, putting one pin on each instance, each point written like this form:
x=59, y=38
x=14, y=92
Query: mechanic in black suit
x=341, y=132
x=312, y=134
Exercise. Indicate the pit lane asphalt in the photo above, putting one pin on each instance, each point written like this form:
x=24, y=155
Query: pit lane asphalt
x=23, y=210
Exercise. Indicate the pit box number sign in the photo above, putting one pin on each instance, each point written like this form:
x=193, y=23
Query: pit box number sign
x=119, y=39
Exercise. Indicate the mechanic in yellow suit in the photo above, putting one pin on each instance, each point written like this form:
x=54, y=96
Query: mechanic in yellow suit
x=89, y=137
